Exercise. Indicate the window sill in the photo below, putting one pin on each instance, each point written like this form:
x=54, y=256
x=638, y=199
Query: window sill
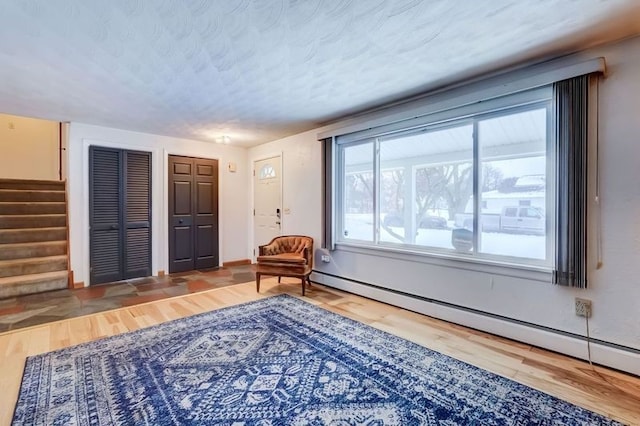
x=487, y=266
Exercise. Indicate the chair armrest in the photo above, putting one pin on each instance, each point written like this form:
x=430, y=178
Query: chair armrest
x=308, y=255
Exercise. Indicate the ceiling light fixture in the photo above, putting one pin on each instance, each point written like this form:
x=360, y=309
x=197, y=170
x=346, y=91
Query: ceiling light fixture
x=223, y=139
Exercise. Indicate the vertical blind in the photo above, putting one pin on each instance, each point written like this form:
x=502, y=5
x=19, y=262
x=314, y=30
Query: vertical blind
x=327, y=187
x=571, y=101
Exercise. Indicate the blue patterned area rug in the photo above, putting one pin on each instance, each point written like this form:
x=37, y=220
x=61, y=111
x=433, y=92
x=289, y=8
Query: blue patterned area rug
x=277, y=361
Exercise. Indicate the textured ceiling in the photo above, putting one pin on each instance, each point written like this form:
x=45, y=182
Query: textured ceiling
x=258, y=70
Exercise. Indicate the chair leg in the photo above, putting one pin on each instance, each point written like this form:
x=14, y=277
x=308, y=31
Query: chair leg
x=257, y=282
x=279, y=277
x=308, y=280
x=303, y=285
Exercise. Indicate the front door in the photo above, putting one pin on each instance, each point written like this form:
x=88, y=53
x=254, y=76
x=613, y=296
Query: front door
x=193, y=213
x=267, y=200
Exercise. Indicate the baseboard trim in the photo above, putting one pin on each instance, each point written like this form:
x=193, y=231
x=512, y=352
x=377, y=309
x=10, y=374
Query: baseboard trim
x=604, y=353
x=161, y=273
x=239, y=262
x=79, y=284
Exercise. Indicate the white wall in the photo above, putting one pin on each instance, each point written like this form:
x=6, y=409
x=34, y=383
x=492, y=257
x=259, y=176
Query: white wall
x=29, y=148
x=614, y=289
x=233, y=207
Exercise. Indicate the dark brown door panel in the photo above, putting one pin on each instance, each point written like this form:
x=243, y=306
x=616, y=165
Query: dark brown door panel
x=193, y=213
x=205, y=198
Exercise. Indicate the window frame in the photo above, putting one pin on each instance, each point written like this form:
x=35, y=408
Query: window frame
x=468, y=114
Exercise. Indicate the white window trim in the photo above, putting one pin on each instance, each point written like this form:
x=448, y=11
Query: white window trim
x=489, y=266
x=541, y=269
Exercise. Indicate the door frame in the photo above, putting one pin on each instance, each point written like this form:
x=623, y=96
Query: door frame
x=252, y=195
x=164, y=249
x=156, y=216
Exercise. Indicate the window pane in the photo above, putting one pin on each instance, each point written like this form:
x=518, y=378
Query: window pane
x=267, y=171
x=513, y=185
x=357, y=204
x=434, y=170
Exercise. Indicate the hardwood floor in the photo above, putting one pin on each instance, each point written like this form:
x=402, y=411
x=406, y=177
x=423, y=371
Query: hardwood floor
x=604, y=391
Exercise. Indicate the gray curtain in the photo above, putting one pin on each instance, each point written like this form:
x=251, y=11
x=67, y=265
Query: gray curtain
x=327, y=189
x=571, y=100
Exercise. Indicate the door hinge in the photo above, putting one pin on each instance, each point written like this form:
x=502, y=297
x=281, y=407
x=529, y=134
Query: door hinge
x=254, y=172
x=254, y=252
x=254, y=212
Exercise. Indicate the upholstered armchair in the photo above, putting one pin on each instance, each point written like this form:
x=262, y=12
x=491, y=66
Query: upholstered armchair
x=286, y=256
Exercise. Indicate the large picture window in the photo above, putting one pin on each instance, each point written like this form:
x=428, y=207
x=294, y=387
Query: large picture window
x=472, y=184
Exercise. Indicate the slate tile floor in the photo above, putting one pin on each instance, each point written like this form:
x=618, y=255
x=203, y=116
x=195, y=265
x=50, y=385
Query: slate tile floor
x=34, y=309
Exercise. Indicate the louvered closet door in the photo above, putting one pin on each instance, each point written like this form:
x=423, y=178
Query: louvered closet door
x=137, y=214
x=105, y=171
x=120, y=214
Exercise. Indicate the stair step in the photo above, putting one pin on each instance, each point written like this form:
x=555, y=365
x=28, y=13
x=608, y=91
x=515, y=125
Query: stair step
x=32, y=221
x=45, y=207
x=31, y=195
x=55, y=185
x=33, y=265
x=27, y=235
x=26, y=250
x=33, y=283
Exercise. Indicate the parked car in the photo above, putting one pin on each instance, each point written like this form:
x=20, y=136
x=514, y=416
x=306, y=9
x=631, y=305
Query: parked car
x=396, y=219
x=512, y=219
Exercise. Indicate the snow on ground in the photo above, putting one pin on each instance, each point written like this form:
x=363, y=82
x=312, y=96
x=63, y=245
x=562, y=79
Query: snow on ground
x=360, y=227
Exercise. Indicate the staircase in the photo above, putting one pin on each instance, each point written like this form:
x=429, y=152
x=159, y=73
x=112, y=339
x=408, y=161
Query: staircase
x=33, y=237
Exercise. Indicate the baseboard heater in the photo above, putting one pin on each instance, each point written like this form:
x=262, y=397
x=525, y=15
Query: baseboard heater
x=617, y=347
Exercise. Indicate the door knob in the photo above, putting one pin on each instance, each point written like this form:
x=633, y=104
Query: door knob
x=114, y=227
x=278, y=223
x=180, y=221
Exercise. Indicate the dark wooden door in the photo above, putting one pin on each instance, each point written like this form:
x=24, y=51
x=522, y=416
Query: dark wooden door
x=119, y=214
x=193, y=213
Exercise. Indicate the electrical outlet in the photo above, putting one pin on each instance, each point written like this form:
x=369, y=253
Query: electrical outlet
x=583, y=307
x=326, y=258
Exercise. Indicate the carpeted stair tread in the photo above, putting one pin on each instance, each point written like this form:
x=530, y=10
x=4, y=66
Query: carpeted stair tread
x=25, y=235
x=29, y=184
x=32, y=249
x=33, y=283
x=24, y=207
x=32, y=265
x=32, y=221
x=31, y=195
